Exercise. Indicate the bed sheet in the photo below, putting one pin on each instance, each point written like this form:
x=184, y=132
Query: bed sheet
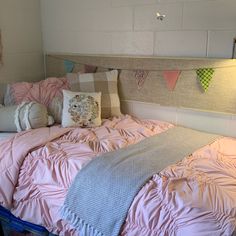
x=194, y=197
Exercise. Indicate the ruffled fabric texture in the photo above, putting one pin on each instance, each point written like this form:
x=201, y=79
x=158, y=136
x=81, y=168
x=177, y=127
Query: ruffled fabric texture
x=196, y=196
x=47, y=172
x=42, y=92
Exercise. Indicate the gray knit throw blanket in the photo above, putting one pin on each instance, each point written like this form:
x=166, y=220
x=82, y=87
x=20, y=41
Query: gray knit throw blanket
x=102, y=192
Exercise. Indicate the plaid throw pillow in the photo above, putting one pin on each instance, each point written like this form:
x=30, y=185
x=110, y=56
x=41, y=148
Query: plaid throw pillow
x=104, y=82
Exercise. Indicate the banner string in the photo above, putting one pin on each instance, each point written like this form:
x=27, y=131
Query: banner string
x=170, y=69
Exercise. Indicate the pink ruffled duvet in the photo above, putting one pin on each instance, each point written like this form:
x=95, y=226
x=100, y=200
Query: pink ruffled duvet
x=194, y=197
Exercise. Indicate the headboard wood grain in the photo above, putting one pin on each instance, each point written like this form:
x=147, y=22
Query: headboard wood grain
x=220, y=97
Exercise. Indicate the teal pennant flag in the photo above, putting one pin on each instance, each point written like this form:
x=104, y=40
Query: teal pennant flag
x=69, y=66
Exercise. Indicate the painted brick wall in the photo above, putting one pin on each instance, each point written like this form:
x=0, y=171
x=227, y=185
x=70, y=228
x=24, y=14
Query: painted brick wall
x=195, y=28
x=20, y=24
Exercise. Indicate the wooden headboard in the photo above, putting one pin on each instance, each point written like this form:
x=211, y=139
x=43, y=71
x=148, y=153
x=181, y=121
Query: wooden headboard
x=220, y=97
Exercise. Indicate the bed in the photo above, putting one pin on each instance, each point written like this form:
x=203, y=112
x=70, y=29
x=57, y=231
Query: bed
x=196, y=196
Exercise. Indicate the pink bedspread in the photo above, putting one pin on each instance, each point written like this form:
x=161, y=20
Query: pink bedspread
x=194, y=197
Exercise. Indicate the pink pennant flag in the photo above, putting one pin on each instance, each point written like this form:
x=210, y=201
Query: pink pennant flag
x=171, y=78
x=141, y=76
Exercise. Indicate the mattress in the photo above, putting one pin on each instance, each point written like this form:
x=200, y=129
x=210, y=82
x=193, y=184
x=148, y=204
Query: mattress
x=196, y=196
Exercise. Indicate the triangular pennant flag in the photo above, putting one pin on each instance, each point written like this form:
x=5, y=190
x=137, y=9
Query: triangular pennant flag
x=205, y=75
x=90, y=69
x=69, y=66
x=171, y=78
x=141, y=76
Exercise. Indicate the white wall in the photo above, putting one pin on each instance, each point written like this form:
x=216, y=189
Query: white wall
x=195, y=28
x=208, y=121
x=20, y=23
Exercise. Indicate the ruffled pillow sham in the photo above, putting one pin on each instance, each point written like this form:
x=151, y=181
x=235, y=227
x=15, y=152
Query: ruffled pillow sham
x=41, y=92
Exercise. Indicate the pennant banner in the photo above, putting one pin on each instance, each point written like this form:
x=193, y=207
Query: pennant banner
x=171, y=78
x=141, y=76
x=205, y=75
x=90, y=69
x=69, y=66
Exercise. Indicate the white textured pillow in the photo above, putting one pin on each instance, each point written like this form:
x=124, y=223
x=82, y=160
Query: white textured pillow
x=81, y=109
x=27, y=115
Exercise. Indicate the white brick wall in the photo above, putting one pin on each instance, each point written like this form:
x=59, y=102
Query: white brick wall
x=195, y=28
x=140, y=43
x=209, y=15
x=181, y=43
x=20, y=23
x=145, y=17
x=220, y=43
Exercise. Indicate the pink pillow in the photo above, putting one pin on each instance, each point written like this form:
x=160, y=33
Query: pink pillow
x=42, y=92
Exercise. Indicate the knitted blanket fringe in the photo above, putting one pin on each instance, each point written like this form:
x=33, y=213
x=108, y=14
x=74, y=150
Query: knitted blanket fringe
x=83, y=227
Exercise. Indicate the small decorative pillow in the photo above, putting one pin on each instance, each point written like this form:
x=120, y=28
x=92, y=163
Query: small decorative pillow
x=104, y=82
x=27, y=115
x=81, y=109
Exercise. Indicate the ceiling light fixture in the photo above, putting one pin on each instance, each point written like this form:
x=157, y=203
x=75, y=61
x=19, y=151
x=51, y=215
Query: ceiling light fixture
x=160, y=16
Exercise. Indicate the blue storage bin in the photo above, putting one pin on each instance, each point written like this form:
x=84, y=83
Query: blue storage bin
x=11, y=224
